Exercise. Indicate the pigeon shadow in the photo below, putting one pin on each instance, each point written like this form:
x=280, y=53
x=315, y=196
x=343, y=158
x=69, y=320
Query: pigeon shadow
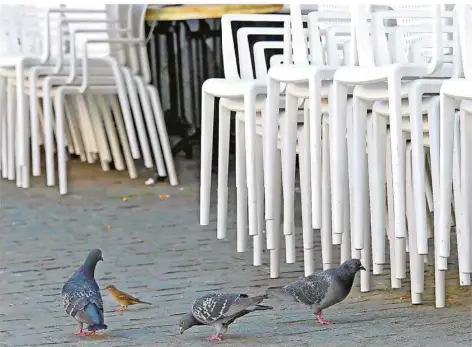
x=233, y=339
x=313, y=322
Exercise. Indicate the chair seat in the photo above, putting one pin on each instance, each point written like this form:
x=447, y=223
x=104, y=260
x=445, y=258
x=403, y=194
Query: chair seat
x=466, y=105
x=379, y=91
x=457, y=87
x=228, y=88
x=374, y=74
x=300, y=90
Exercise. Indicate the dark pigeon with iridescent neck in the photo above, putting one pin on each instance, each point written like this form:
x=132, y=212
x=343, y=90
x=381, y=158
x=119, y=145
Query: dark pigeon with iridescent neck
x=81, y=296
x=321, y=290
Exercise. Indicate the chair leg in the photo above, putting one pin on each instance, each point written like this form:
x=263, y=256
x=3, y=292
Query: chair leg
x=241, y=189
x=11, y=101
x=445, y=174
x=305, y=188
x=275, y=252
x=366, y=252
x=224, y=121
x=358, y=141
x=376, y=163
x=395, y=280
x=416, y=260
x=338, y=155
x=326, y=230
x=120, y=126
x=206, y=156
x=163, y=135
x=250, y=132
x=289, y=142
x=461, y=184
x=259, y=238
x=3, y=126
x=145, y=98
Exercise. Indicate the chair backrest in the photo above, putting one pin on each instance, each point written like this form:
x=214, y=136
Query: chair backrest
x=139, y=31
x=297, y=37
x=265, y=57
x=246, y=53
x=463, y=14
x=88, y=21
x=390, y=36
x=21, y=30
x=324, y=26
x=230, y=45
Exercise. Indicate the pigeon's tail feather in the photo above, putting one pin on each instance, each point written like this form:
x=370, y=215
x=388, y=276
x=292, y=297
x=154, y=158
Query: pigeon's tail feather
x=278, y=292
x=259, y=298
x=262, y=307
x=97, y=327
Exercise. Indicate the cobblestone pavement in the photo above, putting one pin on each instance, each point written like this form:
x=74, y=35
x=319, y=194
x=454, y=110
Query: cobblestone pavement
x=154, y=248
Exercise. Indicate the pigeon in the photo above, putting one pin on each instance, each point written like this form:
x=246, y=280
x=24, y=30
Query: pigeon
x=123, y=299
x=220, y=310
x=81, y=296
x=321, y=290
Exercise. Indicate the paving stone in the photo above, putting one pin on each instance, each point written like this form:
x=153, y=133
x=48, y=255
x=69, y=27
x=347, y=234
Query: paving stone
x=155, y=249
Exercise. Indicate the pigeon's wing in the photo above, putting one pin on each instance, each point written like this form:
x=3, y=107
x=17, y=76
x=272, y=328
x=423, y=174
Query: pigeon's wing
x=309, y=290
x=241, y=303
x=90, y=315
x=77, y=294
x=213, y=307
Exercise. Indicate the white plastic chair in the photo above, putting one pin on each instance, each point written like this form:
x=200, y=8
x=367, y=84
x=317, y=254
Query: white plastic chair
x=452, y=91
x=57, y=61
x=375, y=68
x=300, y=72
x=242, y=92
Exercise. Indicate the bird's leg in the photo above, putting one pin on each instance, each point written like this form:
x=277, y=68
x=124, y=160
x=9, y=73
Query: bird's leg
x=81, y=331
x=322, y=321
x=215, y=337
x=121, y=308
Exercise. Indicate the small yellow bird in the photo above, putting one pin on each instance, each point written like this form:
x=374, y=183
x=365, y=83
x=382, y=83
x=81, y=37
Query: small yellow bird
x=123, y=299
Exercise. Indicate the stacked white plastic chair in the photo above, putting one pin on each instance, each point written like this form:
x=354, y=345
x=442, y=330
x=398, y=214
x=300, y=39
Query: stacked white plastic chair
x=305, y=82
x=374, y=138
x=245, y=95
x=455, y=131
x=91, y=116
x=371, y=78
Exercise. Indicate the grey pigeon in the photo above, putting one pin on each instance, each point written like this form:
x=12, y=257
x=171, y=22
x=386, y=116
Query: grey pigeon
x=220, y=310
x=81, y=296
x=321, y=290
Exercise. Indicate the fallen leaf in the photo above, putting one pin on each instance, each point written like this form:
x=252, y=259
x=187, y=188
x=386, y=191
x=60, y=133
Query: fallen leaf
x=405, y=297
x=108, y=227
x=124, y=198
x=452, y=300
x=164, y=196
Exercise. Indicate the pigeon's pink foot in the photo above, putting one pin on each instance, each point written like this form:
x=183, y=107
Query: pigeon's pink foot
x=84, y=333
x=215, y=337
x=322, y=321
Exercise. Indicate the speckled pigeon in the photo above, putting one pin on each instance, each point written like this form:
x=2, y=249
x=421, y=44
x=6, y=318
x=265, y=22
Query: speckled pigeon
x=321, y=290
x=220, y=310
x=81, y=296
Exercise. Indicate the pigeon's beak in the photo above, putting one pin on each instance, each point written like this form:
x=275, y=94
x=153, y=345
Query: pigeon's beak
x=362, y=268
x=101, y=258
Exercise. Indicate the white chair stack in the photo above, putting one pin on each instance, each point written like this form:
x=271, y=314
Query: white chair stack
x=379, y=86
x=86, y=81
